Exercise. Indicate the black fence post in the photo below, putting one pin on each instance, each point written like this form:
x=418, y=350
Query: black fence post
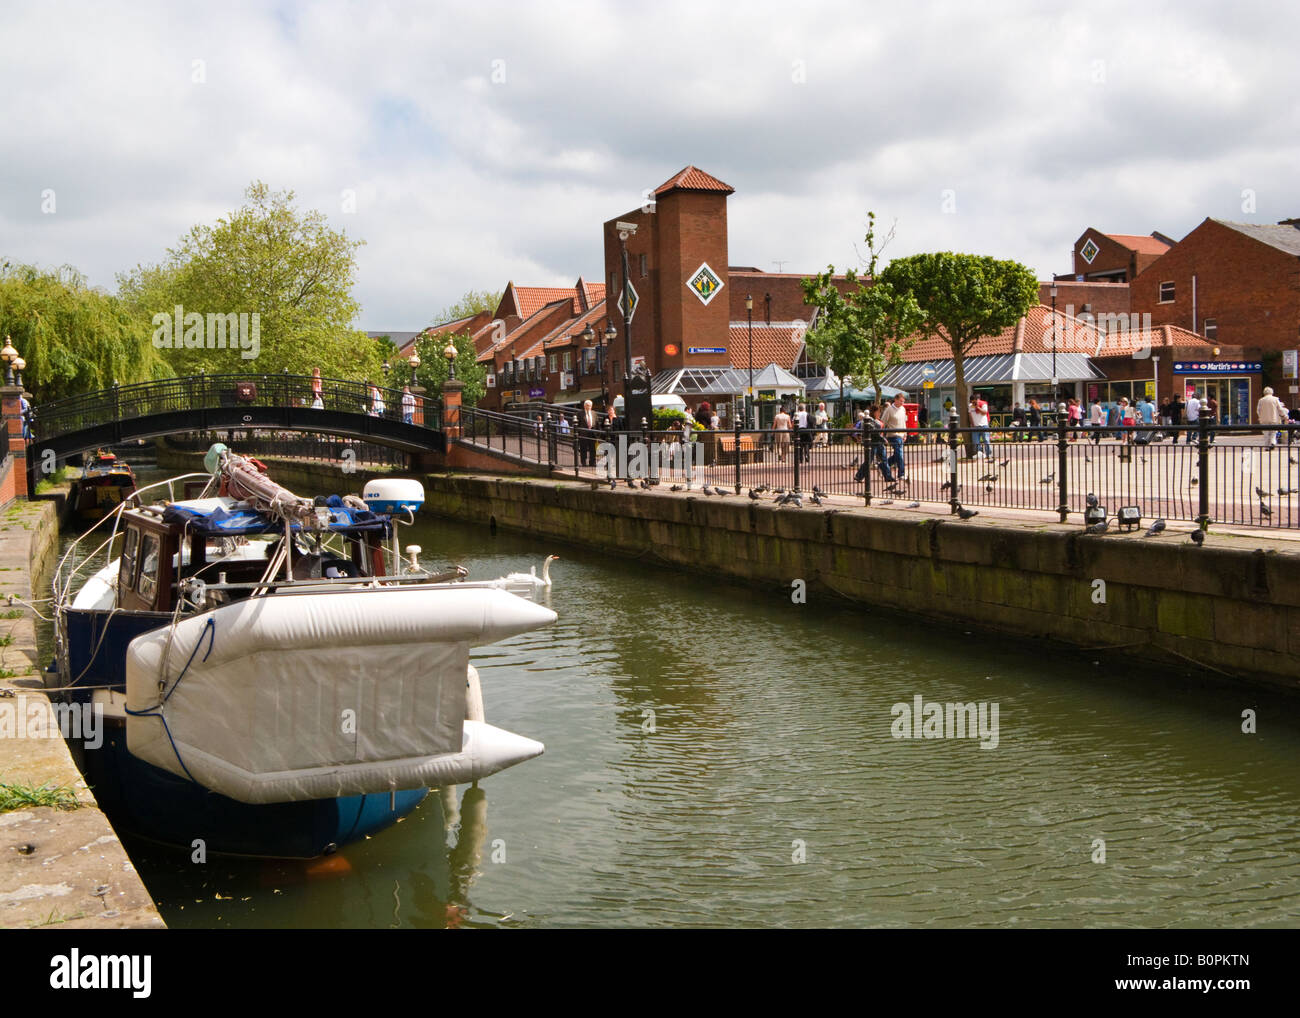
x=794, y=448
x=736, y=452
x=1203, y=468
x=953, y=441
x=1062, y=466
x=645, y=443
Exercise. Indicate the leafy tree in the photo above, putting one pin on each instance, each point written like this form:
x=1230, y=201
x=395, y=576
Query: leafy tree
x=471, y=303
x=271, y=259
x=962, y=299
x=74, y=338
x=433, y=372
x=864, y=329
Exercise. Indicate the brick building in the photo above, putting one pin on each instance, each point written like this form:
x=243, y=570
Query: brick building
x=1235, y=283
x=1115, y=257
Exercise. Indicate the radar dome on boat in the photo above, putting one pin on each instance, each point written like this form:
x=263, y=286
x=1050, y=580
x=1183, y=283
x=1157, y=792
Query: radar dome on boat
x=393, y=495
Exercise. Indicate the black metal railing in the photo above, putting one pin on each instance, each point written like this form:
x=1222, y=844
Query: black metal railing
x=1233, y=475
x=141, y=399
x=334, y=450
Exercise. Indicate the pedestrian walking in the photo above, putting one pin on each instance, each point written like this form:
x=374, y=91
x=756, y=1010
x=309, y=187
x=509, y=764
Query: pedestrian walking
x=979, y=419
x=781, y=427
x=408, y=405
x=1270, y=411
x=894, y=422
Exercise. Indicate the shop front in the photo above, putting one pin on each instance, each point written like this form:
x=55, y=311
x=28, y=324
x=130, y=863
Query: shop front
x=1230, y=383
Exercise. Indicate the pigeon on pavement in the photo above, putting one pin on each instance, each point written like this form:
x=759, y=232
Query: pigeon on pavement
x=1156, y=527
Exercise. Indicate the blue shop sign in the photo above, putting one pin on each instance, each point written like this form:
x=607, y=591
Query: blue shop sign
x=706, y=349
x=1215, y=367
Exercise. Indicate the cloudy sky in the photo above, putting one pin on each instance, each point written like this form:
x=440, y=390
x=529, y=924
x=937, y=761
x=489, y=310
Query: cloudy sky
x=489, y=141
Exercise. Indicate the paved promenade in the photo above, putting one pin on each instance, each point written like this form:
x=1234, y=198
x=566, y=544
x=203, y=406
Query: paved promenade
x=58, y=867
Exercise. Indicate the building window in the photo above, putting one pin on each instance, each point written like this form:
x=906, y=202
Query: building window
x=568, y=360
x=552, y=364
x=643, y=267
x=1166, y=293
x=1211, y=328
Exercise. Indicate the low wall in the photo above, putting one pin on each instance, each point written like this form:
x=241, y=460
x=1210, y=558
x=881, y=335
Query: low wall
x=1230, y=611
x=57, y=867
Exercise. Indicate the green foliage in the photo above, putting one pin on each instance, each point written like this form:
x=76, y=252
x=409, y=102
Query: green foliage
x=863, y=331
x=471, y=303
x=665, y=417
x=17, y=796
x=433, y=370
x=271, y=259
x=74, y=338
x=963, y=298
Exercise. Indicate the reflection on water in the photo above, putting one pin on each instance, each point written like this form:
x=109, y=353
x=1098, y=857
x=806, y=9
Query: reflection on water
x=716, y=755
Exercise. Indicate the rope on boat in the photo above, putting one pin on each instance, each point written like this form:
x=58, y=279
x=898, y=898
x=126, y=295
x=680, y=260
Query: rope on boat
x=32, y=605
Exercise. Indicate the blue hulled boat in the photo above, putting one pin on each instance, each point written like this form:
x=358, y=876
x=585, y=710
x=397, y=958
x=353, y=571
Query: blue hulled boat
x=272, y=677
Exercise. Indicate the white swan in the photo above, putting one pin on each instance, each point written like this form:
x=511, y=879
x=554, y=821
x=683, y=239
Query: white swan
x=531, y=578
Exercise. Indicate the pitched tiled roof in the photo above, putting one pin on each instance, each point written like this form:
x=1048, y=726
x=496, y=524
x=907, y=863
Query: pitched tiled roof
x=693, y=179
x=780, y=343
x=1142, y=245
x=1284, y=238
x=553, y=340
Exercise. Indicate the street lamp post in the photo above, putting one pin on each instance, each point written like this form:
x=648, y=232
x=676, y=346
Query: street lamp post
x=626, y=230
x=610, y=335
x=1055, y=340
x=449, y=351
x=749, y=396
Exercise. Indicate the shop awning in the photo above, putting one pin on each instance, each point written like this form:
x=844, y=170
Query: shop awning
x=997, y=369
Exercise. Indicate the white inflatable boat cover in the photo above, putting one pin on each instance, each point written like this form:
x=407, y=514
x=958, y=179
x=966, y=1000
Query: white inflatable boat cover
x=311, y=696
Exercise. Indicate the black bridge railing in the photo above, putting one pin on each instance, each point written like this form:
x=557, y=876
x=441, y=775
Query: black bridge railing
x=142, y=399
x=331, y=450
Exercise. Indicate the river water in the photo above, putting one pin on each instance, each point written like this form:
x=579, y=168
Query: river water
x=717, y=755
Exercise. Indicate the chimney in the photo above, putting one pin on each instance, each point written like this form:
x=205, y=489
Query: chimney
x=1289, y=222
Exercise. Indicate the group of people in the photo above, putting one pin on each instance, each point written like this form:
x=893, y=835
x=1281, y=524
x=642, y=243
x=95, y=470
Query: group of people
x=882, y=431
x=807, y=430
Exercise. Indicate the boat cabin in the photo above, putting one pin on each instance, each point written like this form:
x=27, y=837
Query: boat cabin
x=219, y=541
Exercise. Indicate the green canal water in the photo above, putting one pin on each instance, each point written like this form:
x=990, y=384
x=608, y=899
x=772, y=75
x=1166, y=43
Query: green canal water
x=717, y=755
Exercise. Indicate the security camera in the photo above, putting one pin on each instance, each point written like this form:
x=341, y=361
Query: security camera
x=625, y=228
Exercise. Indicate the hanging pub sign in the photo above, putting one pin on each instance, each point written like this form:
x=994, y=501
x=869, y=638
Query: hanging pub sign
x=1215, y=367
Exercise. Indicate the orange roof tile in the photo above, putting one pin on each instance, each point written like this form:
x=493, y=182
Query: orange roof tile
x=779, y=343
x=553, y=339
x=693, y=179
x=1142, y=245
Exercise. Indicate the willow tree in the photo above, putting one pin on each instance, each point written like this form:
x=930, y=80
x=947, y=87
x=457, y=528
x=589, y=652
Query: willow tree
x=270, y=259
x=73, y=337
x=964, y=298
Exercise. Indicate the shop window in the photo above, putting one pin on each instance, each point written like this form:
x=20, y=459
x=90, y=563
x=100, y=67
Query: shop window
x=1166, y=293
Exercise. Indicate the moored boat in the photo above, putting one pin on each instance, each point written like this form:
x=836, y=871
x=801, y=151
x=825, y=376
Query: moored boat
x=105, y=483
x=274, y=676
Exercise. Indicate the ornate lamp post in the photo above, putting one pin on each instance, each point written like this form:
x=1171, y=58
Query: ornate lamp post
x=9, y=355
x=19, y=364
x=610, y=335
x=449, y=351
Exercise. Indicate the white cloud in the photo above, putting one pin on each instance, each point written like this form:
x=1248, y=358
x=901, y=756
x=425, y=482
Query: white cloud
x=490, y=142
